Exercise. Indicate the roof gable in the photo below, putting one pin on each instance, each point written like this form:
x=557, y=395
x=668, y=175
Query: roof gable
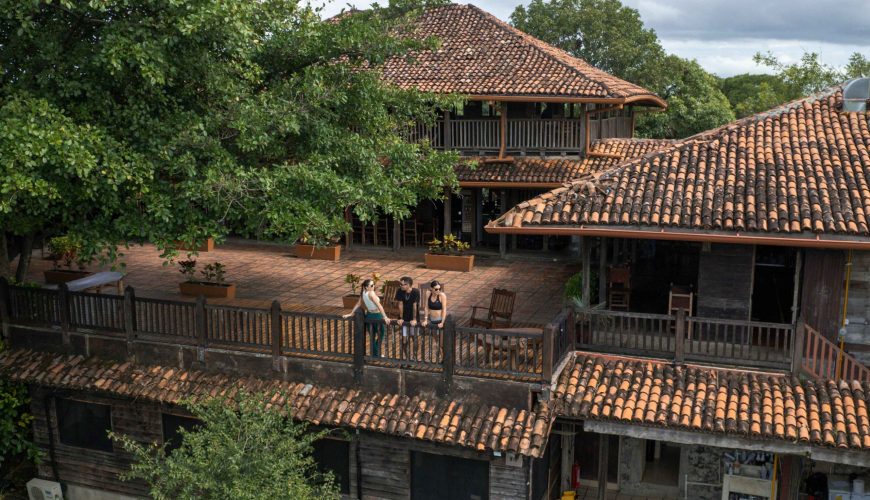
x=481, y=55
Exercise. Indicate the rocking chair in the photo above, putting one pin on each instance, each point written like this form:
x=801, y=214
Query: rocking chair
x=391, y=306
x=499, y=312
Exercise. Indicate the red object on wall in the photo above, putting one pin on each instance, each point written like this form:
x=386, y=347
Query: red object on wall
x=575, y=476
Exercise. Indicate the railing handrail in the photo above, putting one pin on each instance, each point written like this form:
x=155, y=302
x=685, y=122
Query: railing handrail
x=284, y=333
x=819, y=353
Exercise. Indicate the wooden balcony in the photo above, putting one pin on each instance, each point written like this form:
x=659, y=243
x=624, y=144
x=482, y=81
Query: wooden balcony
x=522, y=136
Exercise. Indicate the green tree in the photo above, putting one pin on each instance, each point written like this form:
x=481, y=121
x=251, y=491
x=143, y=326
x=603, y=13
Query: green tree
x=613, y=37
x=752, y=93
x=163, y=120
x=811, y=74
x=243, y=449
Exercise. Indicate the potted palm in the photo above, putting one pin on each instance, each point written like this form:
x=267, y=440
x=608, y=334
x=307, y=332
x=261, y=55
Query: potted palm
x=349, y=300
x=213, y=283
x=64, y=249
x=311, y=246
x=449, y=255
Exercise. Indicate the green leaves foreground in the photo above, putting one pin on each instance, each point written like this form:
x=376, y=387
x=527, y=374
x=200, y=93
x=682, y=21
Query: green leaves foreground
x=243, y=449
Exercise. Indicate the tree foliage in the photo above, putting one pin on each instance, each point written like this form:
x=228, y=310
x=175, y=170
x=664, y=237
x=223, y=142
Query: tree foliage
x=243, y=449
x=613, y=37
x=163, y=120
x=15, y=420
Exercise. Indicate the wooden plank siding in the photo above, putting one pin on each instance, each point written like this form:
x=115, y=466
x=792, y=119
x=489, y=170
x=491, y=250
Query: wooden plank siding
x=822, y=296
x=725, y=281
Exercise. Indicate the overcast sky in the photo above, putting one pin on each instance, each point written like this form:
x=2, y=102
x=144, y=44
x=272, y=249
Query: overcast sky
x=723, y=35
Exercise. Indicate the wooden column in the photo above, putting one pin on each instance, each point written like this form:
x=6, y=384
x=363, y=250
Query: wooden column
x=448, y=209
x=502, y=245
x=602, y=270
x=503, y=128
x=129, y=318
x=359, y=344
x=680, y=336
x=603, y=451
x=567, y=459
x=275, y=327
x=586, y=252
x=448, y=133
x=797, y=350
x=448, y=346
x=396, y=233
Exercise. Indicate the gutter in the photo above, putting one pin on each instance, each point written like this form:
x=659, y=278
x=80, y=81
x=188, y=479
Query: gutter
x=678, y=235
x=658, y=101
x=503, y=184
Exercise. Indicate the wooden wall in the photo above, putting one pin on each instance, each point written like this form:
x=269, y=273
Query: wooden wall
x=822, y=294
x=384, y=462
x=725, y=281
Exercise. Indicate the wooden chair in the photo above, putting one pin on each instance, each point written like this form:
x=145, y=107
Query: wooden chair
x=619, y=287
x=428, y=232
x=409, y=228
x=681, y=297
x=391, y=306
x=499, y=312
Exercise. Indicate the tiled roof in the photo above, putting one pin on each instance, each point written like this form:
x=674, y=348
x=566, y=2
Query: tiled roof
x=803, y=167
x=448, y=422
x=481, y=55
x=752, y=404
x=603, y=154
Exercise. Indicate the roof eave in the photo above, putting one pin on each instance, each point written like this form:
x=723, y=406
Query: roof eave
x=640, y=100
x=674, y=234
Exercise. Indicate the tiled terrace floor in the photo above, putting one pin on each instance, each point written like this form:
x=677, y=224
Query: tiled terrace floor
x=267, y=272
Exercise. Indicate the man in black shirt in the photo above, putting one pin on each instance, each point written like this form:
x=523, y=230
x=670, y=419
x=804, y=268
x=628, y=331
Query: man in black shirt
x=409, y=298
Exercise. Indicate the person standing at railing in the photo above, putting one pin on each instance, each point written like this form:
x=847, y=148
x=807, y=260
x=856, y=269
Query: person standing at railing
x=409, y=298
x=376, y=317
x=435, y=311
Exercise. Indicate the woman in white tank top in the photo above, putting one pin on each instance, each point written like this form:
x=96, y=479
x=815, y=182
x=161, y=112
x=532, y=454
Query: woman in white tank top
x=376, y=317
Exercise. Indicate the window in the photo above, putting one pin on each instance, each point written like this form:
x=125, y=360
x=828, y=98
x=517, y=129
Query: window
x=439, y=476
x=662, y=463
x=171, y=429
x=490, y=108
x=333, y=455
x=85, y=425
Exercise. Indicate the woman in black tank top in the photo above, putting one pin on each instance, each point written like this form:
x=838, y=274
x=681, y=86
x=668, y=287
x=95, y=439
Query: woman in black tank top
x=436, y=305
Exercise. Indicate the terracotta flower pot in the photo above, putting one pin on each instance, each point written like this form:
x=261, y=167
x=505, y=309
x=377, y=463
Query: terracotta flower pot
x=464, y=263
x=350, y=300
x=208, y=246
x=58, y=276
x=318, y=253
x=214, y=290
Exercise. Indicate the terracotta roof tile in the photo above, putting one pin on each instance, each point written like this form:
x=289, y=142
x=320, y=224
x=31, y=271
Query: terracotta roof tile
x=719, y=401
x=603, y=154
x=803, y=167
x=482, y=427
x=482, y=55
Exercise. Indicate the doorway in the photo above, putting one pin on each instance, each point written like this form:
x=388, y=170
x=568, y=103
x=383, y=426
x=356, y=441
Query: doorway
x=773, y=284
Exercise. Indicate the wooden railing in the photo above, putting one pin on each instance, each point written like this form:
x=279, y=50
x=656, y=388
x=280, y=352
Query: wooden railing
x=686, y=338
x=821, y=356
x=527, y=135
x=520, y=354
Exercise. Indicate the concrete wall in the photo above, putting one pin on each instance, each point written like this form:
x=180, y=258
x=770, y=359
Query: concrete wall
x=698, y=464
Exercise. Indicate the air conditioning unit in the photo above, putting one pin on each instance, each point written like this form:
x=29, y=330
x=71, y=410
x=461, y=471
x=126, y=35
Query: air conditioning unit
x=40, y=489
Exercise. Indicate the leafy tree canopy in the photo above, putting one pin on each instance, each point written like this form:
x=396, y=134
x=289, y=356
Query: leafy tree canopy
x=613, y=37
x=242, y=449
x=163, y=120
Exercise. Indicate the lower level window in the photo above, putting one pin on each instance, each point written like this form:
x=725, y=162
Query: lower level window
x=439, y=476
x=85, y=425
x=333, y=455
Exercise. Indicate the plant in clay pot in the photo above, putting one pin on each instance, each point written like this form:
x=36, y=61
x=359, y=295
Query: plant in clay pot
x=313, y=246
x=65, y=249
x=213, y=283
x=349, y=300
x=448, y=254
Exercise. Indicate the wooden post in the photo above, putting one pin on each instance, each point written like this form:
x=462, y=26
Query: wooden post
x=503, y=126
x=129, y=318
x=603, y=451
x=502, y=245
x=396, y=233
x=4, y=307
x=64, y=303
x=200, y=322
x=547, y=352
x=680, y=336
x=359, y=345
x=587, y=282
x=797, y=349
x=448, y=133
x=602, y=270
x=567, y=456
x=448, y=209
x=448, y=352
x=275, y=323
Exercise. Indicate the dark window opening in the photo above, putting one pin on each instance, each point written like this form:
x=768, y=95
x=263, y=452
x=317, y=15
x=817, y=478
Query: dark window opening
x=333, y=455
x=85, y=425
x=586, y=448
x=773, y=284
x=438, y=476
x=662, y=464
x=171, y=429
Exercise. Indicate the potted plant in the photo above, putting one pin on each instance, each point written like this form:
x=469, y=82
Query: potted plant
x=349, y=300
x=448, y=255
x=205, y=246
x=64, y=249
x=311, y=246
x=212, y=284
